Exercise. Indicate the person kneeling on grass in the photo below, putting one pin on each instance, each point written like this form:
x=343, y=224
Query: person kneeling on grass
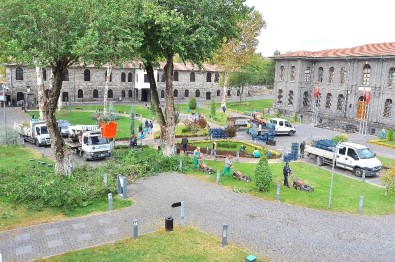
x=256, y=153
x=228, y=165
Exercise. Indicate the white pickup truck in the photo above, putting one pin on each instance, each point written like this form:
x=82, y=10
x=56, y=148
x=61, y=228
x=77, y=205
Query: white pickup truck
x=355, y=157
x=35, y=132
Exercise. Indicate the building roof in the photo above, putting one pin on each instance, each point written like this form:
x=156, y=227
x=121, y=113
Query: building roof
x=369, y=50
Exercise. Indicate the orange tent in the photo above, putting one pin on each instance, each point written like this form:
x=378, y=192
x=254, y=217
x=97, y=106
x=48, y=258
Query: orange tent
x=109, y=130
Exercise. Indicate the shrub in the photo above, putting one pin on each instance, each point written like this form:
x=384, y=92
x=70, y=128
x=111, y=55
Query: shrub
x=231, y=130
x=106, y=118
x=278, y=114
x=11, y=139
x=227, y=145
x=202, y=123
x=388, y=180
x=192, y=103
x=296, y=117
x=390, y=135
x=213, y=108
x=341, y=138
x=263, y=175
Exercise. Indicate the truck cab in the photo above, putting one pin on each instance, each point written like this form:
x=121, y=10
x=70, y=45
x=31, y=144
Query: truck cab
x=357, y=158
x=94, y=146
x=282, y=126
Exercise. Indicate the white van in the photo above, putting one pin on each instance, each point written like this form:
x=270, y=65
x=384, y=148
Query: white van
x=282, y=127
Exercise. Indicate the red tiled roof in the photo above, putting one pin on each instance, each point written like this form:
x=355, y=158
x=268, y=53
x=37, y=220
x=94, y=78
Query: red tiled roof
x=381, y=49
x=190, y=67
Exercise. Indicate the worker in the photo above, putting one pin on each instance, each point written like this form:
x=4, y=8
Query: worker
x=196, y=157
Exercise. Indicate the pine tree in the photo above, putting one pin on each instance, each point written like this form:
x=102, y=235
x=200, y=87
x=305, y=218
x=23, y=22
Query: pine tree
x=263, y=175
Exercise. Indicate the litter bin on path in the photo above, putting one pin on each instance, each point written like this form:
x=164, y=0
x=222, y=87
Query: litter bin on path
x=169, y=223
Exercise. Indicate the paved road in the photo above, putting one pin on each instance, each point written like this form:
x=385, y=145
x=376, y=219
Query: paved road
x=278, y=231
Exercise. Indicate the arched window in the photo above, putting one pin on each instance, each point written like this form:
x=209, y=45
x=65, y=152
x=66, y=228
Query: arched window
x=208, y=77
x=290, y=98
x=197, y=93
x=320, y=74
x=306, y=100
x=391, y=79
x=105, y=76
x=123, y=93
x=293, y=73
x=229, y=93
x=218, y=92
x=340, y=103
x=66, y=75
x=216, y=77
x=80, y=93
x=130, y=93
x=162, y=94
x=130, y=77
x=175, y=93
x=163, y=78
x=87, y=75
x=175, y=76
x=19, y=73
x=387, y=108
x=342, y=75
x=123, y=77
x=366, y=75
x=238, y=93
x=44, y=74
x=328, y=101
x=280, y=96
x=110, y=94
x=307, y=74
x=95, y=93
x=192, y=77
x=331, y=73
x=186, y=94
x=282, y=73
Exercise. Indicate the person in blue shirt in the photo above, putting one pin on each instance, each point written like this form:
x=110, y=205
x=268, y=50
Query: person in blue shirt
x=196, y=156
x=286, y=172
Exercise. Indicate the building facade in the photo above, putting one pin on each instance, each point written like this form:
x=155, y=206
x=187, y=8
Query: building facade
x=347, y=85
x=128, y=83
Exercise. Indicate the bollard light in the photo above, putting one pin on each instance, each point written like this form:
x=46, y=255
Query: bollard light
x=237, y=156
x=224, y=235
x=182, y=214
x=180, y=164
x=218, y=176
x=278, y=193
x=135, y=228
x=105, y=179
x=363, y=175
x=42, y=152
x=360, y=206
x=110, y=204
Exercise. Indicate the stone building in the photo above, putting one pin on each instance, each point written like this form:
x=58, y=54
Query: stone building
x=128, y=83
x=339, y=86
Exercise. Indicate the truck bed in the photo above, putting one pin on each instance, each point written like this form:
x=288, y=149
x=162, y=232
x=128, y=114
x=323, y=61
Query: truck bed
x=318, y=152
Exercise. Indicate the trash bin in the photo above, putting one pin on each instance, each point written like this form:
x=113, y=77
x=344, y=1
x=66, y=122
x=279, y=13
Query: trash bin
x=169, y=223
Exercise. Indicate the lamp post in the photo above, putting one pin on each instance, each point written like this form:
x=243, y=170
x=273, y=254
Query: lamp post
x=27, y=98
x=5, y=117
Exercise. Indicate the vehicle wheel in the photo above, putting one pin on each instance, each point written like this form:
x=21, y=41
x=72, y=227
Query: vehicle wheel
x=358, y=172
x=84, y=157
x=291, y=133
x=37, y=143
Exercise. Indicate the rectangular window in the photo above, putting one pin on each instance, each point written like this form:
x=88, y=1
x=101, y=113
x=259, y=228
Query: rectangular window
x=146, y=78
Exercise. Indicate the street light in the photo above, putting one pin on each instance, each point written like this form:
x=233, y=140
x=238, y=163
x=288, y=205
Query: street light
x=5, y=118
x=27, y=98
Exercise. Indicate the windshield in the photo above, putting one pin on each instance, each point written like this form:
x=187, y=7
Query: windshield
x=98, y=140
x=63, y=123
x=365, y=153
x=44, y=130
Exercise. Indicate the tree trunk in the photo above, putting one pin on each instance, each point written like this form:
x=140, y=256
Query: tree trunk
x=105, y=96
x=224, y=94
x=40, y=91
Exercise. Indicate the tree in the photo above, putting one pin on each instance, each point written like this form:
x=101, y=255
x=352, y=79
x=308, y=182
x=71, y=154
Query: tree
x=191, y=29
x=192, y=103
x=45, y=34
x=240, y=80
x=213, y=108
x=263, y=175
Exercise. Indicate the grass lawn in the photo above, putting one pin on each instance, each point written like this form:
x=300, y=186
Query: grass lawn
x=235, y=148
x=249, y=105
x=139, y=109
x=219, y=119
x=85, y=118
x=346, y=191
x=162, y=246
x=387, y=162
x=383, y=142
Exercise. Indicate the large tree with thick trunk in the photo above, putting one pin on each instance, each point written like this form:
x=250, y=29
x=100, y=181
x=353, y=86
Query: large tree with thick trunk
x=44, y=34
x=193, y=30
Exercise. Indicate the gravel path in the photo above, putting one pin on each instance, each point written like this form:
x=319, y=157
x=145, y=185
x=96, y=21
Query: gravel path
x=274, y=230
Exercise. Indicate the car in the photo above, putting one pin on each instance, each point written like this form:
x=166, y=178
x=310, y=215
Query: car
x=282, y=126
x=63, y=127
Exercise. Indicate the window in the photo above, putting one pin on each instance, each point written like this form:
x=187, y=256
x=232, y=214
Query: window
x=331, y=73
x=87, y=75
x=208, y=77
x=342, y=75
x=19, y=73
x=218, y=92
x=192, y=77
x=387, y=108
x=342, y=151
x=306, y=100
x=229, y=93
x=66, y=75
x=146, y=78
x=293, y=73
x=340, y=103
x=123, y=93
x=136, y=93
x=216, y=77
x=130, y=77
x=123, y=77
x=44, y=74
x=80, y=93
x=162, y=94
x=291, y=98
x=163, y=78
x=186, y=93
x=175, y=76
x=352, y=153
x=130, y=93
x=157, y=77
x=307, y=74
x=317, y=100
x=110, y=94
x=282, y=72
x=197, y=93
x=391, y=80
x=320, y=74
x=280, y=96
x=238, y=93
x=328, y=101
x=366, y=75
x=95, y=93
x=175, y=93
x=105, y=77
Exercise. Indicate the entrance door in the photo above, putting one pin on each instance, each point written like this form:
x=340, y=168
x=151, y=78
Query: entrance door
x=20, y=96
x=65, y=96
x=145, y=95
x=208, y=96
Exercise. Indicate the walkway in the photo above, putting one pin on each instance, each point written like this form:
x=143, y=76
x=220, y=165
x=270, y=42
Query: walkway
x=278, y=231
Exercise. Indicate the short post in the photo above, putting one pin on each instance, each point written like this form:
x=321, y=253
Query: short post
x=237, y=156
x=207, y=150
x=224, y=235
x=135, y=228
x=23, y=144
x=71, y=164
x=42, y=152
x=110, y=204
x=180, y=164
x=363, y=175
x=105, y=179
x=125, y=187
x=278, y=193
x=360, y=207
x=182, y=214
x=175, y=150
x=218, y=176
